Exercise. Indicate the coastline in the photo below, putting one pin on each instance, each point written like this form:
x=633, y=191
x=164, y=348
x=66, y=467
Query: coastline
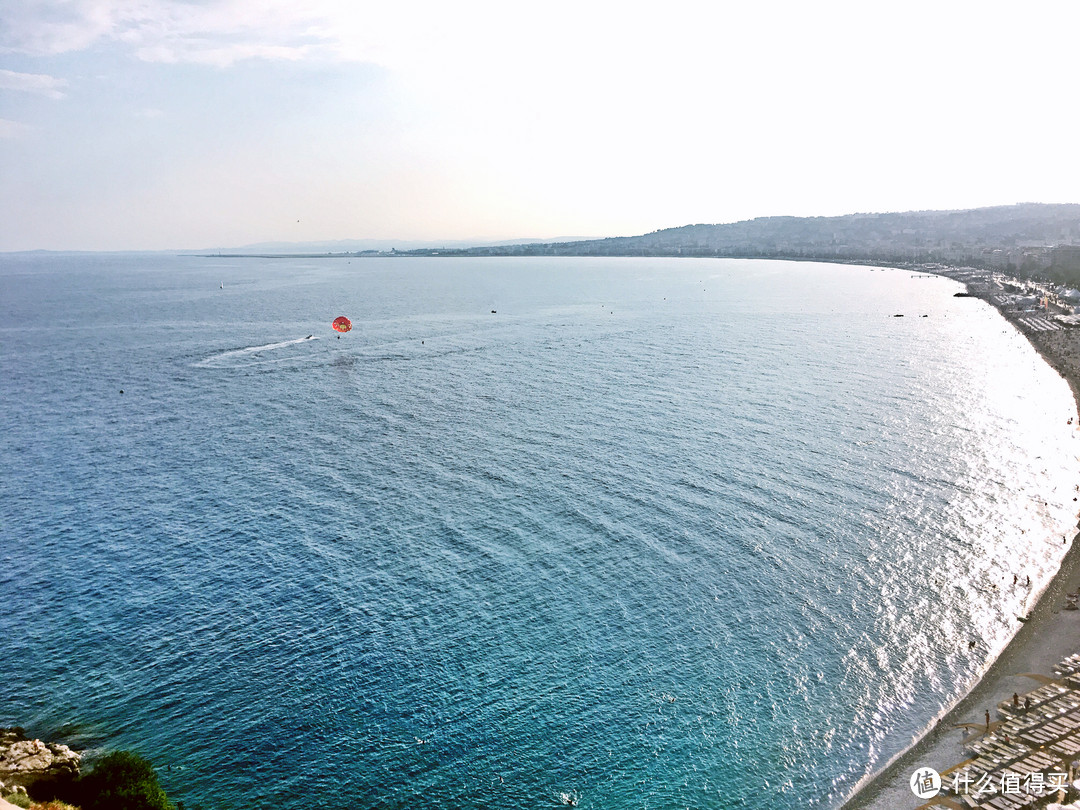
x=1049, y=635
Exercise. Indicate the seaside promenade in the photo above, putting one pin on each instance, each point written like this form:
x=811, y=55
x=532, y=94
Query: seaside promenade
x=994, y=751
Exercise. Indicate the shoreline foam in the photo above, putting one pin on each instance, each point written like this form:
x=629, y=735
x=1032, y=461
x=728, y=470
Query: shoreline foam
x=1048, y=636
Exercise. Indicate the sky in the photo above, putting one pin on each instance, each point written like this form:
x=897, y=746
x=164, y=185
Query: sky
x=165, y=124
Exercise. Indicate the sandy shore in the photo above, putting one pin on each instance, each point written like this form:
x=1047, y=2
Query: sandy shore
x=1050, y=635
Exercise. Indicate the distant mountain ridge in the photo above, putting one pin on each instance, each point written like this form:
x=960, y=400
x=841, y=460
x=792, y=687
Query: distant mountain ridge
x=378, y=245
x=1002, y=235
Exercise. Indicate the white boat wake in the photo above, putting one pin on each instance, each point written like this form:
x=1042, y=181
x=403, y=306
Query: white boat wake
x=231, y=357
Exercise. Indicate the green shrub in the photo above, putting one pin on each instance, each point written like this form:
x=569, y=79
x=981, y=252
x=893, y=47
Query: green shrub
x=19, y=800
x=122, y=781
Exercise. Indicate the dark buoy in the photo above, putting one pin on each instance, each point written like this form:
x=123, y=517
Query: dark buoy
x=122, y=391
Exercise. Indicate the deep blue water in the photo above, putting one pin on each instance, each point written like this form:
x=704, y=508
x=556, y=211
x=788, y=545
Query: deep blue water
x=653, y=534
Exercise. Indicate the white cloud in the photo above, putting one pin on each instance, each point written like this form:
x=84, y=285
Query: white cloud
x=12, y=129
x=218, y=32
x=32, y=83
x=418, y=34
x=217, y=55
x=538, y=40
x=42, y=27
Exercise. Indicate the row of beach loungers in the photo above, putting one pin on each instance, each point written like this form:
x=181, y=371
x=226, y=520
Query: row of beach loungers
x=1036, y=323
x=1070, y=666
x=1028, y=755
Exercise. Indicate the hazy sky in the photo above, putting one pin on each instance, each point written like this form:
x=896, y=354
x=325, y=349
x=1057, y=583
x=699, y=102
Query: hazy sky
x=142, y=124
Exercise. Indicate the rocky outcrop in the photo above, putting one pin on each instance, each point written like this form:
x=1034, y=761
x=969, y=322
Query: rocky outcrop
x=26, y=762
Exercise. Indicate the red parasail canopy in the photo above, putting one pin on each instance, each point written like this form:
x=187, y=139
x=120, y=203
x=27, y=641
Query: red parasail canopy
x=342, y=324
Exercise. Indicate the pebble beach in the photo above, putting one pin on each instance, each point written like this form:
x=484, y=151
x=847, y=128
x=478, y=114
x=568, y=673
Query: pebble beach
x=1050, y=634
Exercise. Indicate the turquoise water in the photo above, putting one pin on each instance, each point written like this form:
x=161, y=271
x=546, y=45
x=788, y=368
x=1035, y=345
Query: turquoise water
x=653, y=534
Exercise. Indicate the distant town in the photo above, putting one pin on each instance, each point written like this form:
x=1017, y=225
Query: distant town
x=1031, y=240
x=1034, y=305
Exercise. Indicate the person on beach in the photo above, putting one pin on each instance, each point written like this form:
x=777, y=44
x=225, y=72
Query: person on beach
x=1016, y=701
x=987, y=719
x=1027, y=704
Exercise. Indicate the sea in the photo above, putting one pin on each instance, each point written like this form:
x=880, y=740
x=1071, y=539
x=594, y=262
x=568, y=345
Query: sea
x=537, y=532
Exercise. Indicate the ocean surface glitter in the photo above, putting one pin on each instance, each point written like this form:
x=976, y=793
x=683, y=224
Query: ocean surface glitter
x=625, y=533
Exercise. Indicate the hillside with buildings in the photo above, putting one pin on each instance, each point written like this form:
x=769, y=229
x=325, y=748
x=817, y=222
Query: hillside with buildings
x=1029, y=239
